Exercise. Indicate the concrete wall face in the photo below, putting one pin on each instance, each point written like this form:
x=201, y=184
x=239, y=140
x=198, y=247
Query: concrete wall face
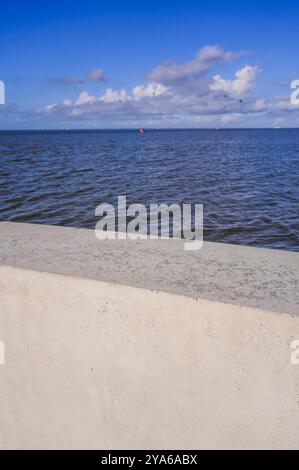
x=95, y=365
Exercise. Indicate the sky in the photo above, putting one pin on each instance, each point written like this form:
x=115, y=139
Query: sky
x=158, y=64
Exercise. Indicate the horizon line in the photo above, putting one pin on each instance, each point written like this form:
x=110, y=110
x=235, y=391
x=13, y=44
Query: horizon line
x=67, y=129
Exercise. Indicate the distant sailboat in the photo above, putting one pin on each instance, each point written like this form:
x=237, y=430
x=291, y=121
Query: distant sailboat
x=141, y=130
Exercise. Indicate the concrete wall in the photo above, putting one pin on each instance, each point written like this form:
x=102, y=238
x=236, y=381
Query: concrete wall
x=94, y=364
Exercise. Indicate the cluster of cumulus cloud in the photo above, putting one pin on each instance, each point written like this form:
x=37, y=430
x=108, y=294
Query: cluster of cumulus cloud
x=185, y=92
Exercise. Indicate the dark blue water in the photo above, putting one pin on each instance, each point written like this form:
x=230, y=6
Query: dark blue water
x=248, y=180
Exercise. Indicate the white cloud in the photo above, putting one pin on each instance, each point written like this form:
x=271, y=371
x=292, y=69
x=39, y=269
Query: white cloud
x=243, y=83
x=285, y=104
x=204, y=60
x=230, y=117
x=149, y=90
x=51, y=107
x=97, y=75
x=84, y=98
x=114, y=96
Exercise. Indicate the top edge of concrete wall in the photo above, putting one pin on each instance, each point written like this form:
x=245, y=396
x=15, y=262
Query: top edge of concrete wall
x=252, y=277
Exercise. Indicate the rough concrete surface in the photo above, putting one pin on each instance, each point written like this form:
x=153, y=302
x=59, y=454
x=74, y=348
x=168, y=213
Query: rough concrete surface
x=254, y=277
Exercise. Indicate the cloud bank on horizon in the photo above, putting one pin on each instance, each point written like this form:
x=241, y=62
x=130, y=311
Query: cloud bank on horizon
x=173, y=94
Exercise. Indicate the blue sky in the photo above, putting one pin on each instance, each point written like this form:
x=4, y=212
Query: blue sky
x=164, y=63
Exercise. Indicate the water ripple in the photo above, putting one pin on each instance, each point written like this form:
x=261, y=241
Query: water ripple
x=248, y=180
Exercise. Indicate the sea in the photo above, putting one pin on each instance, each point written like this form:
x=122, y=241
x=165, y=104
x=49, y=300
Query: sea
x=246, y=179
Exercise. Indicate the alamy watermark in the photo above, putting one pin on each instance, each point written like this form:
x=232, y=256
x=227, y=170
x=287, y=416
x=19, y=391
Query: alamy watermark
x=2, y=353
x=295, y=352
x=295, y=93
x=2, y=92
x=159, y=221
